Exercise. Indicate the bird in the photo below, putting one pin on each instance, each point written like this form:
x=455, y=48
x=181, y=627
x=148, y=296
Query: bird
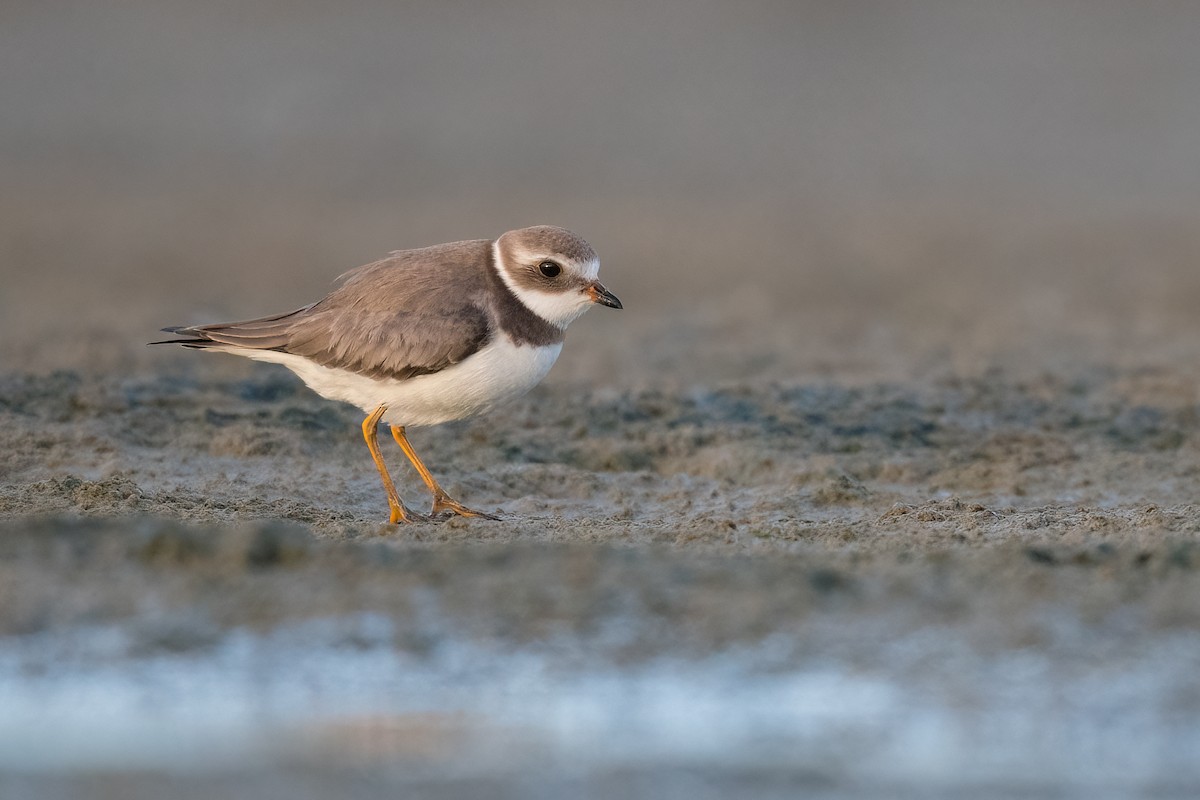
x=428, y=336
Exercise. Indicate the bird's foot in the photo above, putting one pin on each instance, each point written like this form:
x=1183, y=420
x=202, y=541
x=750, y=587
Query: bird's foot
x=402, y=513
x=443, y=504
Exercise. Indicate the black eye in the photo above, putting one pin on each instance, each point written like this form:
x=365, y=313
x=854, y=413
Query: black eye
x=549, y=269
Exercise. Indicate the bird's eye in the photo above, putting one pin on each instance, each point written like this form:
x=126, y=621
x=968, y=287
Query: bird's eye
x=549, y=269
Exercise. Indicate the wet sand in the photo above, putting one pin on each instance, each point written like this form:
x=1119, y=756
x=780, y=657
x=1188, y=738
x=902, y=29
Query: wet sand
x=819, y=587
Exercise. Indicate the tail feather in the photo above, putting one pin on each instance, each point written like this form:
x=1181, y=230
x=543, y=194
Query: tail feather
x=264, y=333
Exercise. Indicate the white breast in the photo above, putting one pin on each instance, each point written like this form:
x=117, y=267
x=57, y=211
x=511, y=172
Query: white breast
x=500, y=371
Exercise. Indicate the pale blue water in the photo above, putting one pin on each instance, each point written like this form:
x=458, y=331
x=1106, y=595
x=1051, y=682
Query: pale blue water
x=340, y=691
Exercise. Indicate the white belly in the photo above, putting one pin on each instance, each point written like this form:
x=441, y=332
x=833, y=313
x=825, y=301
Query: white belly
x=499, y=372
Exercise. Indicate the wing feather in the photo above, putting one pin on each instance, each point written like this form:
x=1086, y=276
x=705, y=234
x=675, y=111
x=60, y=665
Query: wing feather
x=398, y=318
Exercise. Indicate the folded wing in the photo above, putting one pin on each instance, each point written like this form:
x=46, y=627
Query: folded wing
x=396, y=318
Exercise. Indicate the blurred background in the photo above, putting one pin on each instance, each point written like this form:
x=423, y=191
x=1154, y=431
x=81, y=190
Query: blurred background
x=775, y=188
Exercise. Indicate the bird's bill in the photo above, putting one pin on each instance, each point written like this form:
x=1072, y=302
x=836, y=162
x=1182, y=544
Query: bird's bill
x=603, y=296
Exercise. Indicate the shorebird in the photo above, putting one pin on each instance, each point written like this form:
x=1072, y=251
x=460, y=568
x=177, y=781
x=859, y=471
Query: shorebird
x=428, y=336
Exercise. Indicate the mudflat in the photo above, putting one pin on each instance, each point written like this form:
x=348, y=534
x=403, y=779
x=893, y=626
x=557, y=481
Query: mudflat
x=845, y=588
x=883, y=483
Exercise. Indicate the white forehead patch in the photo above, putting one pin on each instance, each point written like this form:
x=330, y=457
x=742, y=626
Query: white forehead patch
x=587, y=269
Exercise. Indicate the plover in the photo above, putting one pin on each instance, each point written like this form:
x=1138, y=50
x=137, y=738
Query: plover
x=428, y=336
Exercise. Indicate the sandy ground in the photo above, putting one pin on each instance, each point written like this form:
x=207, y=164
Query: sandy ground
x=882, y=484
x=991, y=585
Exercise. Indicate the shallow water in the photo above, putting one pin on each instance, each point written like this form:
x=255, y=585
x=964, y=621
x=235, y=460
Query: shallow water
x=338, y=691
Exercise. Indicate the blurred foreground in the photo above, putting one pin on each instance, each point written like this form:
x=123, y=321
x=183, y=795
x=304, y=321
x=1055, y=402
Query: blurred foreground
x=974, y=587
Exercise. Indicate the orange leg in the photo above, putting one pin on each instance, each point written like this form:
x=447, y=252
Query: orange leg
x=370, y=429
x=441, y=500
